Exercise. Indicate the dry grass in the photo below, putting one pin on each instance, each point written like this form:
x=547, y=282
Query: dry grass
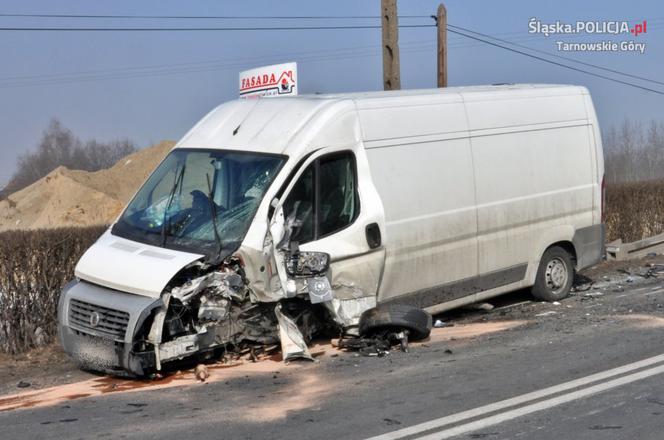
x=34, y=266
x=634, y=210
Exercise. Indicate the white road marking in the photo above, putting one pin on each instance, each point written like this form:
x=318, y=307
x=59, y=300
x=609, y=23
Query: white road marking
x=539, y=406
x=653, y=292
x=524, y=398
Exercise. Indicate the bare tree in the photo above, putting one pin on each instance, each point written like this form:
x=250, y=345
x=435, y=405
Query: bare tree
x=634, y=152
x=60, y=147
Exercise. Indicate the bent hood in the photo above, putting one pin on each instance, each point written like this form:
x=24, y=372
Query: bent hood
x=131, y=267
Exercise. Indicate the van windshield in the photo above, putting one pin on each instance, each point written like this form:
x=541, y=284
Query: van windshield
x=200, y=201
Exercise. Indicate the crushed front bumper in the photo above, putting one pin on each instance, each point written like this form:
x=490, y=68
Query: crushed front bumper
x=102, y=328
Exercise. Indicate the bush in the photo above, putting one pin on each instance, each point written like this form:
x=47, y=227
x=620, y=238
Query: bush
x=634, y=210
x=34, y=266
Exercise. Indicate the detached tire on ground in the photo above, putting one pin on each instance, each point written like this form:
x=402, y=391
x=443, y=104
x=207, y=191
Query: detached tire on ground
x=554, y=275
x=396, y=316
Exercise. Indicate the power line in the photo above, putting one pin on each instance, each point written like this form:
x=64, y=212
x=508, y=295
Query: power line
x=462, y=43
x=595, y=66
x=186, y=69
x=196, y=29
x=228, y=17
x=211, y=65
x=210, y=17
x=337, y=53
x=557, y=63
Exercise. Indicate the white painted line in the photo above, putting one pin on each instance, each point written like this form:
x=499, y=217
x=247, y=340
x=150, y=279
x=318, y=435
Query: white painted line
x=653, y=292
x=539, y=406
x=524, y=398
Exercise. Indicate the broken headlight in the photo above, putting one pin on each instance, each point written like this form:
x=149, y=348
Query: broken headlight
x=307, y=264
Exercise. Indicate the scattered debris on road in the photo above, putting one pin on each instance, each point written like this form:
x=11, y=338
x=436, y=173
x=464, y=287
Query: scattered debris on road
x=378, y=345
x=441, y=324
x=485, y=306
x=244, y=367
x=201, y=372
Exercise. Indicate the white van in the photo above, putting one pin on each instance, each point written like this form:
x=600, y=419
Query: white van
x=270, y=207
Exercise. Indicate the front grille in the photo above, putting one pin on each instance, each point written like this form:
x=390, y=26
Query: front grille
x=110, y=323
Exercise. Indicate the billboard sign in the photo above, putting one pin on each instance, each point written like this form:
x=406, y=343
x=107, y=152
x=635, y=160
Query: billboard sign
x=275, y=80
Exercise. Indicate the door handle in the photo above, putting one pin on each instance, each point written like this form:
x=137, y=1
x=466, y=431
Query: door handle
x=373, y=235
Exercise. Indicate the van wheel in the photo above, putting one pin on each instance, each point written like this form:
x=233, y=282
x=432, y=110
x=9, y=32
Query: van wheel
x=554, y=275
x=397, y=317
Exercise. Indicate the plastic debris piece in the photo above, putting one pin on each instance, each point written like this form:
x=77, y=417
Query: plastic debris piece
x=319, y=289
x=480, y=306
x=293, y=345
x=201, y=372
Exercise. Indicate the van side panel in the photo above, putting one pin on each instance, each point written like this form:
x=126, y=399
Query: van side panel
x=430, y=215
x=421, y=164
x=535, y=183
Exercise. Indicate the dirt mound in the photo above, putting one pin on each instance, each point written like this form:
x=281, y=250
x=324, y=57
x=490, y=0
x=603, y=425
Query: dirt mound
x=79, y=198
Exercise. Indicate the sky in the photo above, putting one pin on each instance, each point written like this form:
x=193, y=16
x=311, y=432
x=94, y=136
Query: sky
x=149, y=86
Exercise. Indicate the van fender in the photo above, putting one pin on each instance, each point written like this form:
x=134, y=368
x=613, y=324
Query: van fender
x=556, y=234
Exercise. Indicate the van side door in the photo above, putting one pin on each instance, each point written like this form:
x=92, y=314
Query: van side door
x=338, y=212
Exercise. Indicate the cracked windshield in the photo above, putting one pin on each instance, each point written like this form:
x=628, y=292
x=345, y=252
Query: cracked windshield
x=199, y=198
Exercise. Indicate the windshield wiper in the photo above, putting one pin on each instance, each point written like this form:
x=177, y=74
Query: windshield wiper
x=166, y=220
x=213, y=211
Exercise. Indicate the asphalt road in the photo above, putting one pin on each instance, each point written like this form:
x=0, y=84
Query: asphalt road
x=439, y=390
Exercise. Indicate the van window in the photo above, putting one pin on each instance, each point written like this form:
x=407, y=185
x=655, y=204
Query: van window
x=301, y=204
x=324, y=200
x=199, y=200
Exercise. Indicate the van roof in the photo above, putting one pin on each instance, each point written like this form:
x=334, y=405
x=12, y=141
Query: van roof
x=285, y=125
x=463, y=90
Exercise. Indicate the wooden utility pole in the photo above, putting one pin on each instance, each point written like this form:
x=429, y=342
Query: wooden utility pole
x=441, y=21
x=391, y=75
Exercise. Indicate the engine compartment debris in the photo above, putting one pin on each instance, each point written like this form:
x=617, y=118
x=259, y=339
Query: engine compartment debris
x=208, y=311
x=212, y=313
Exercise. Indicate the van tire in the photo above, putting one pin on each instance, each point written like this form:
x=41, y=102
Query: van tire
x=554, y=275
x=396, y=316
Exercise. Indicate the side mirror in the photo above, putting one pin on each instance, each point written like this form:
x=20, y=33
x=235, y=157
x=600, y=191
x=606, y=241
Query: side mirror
x=306, y=264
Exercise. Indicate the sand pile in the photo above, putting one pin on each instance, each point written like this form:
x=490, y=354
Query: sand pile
x=79, y=198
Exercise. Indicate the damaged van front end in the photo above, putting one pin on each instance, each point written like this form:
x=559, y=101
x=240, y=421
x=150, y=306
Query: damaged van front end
x=168, y=280
x=262, y=226
x=203, y=310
